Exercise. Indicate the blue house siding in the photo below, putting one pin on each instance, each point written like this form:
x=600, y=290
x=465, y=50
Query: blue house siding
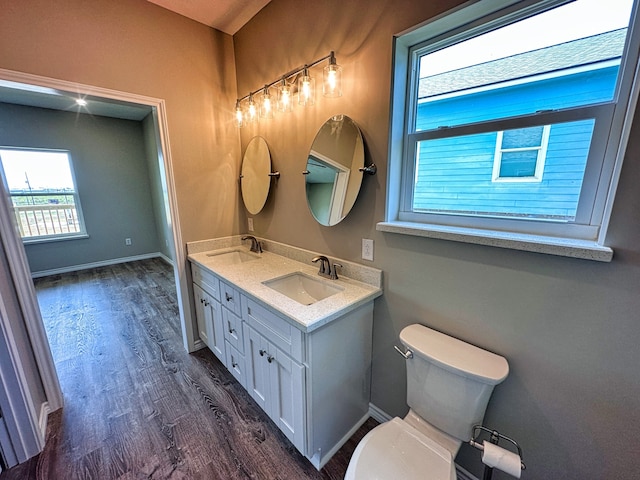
x=455, y=174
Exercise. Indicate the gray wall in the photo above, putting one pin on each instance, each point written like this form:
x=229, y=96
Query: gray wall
x=569, y=328
x=112, y=176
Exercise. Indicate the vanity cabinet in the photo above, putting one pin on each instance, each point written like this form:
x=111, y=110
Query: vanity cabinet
x=314, y=385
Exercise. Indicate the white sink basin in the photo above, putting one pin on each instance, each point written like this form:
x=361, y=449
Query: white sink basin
x=233, y=257
x=302, y=288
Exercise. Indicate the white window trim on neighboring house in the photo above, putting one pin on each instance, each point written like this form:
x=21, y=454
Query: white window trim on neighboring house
x=584, y=238
x=540, y=160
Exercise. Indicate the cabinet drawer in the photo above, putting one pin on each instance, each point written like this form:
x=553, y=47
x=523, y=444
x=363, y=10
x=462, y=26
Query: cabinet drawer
x=207, y=280
x=274, y=328
x=233, y=329
x=230, y=298
x=236, y=364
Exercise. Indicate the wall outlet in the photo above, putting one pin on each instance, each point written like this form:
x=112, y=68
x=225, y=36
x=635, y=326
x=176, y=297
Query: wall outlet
x=127, y=241
x=250, y=224
x=367, y=249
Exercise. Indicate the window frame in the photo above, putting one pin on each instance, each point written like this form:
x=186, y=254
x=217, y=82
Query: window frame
x=583, y=238
x=82, y=233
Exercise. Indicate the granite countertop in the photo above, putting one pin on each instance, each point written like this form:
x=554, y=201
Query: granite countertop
x=249, y=277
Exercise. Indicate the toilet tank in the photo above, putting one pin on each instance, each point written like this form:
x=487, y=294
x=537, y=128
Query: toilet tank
x=449, y=381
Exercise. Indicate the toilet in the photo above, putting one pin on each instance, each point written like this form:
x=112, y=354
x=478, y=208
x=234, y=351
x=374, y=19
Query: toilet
x=449, y=383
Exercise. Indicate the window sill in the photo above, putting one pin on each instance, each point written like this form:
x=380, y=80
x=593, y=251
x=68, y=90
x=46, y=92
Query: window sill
x=584, y=249
x=61, y=238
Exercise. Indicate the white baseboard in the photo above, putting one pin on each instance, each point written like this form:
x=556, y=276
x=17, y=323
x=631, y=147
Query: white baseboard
x=104, y=263
x=45, y=410
x=382, y=416
x=378, y=414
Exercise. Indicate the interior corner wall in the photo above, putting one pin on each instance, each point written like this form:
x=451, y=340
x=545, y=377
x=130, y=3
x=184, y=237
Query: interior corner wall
x=568, y=327
x=112, y=178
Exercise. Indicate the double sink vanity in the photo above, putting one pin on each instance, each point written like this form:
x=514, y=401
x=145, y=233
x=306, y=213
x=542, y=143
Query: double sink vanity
x=298, y=342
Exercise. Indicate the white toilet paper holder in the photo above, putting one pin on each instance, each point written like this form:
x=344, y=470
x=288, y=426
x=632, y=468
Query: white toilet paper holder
x=494, y=438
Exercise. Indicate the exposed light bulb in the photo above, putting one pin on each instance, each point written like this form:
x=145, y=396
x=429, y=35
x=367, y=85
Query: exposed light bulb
x=252, y=111
x=266, y=108
x=285, y=102
x=332, y=79
x=306, y=89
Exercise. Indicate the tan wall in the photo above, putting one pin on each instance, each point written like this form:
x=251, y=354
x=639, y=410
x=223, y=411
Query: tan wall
x=568, y=327
x=135, y=46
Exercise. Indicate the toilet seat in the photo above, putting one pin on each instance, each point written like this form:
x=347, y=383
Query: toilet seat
x=397, y=450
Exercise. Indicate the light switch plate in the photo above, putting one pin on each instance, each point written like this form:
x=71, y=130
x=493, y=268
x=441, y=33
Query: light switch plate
x=250, y=222
x=367, y=249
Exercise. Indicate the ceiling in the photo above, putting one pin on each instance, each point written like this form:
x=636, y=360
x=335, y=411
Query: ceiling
x=227, y=16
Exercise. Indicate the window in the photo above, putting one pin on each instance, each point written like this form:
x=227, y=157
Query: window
x=520, y=154
x=508, y=121
x=43, y=193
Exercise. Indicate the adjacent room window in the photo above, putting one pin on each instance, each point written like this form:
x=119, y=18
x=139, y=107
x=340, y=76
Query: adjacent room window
x=43, y=193
x=508, y=117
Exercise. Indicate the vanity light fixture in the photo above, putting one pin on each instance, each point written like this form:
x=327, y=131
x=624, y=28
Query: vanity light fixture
x=297, y=81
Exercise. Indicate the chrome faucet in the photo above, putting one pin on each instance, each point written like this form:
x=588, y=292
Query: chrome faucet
x=326, y=268
x=256, y=246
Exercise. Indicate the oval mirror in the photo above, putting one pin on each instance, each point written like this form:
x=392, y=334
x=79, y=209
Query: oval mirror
x=255, y=180
x=333, y=176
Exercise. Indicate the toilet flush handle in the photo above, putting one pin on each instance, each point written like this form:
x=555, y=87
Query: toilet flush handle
x=407, y=355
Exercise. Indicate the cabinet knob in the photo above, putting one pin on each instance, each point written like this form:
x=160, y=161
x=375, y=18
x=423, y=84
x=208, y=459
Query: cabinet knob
x=206, y=304
x=202, y=300
x=234, y=364
x=232, y=330
x=228, y=297
x=262, y=352
x=270, y=359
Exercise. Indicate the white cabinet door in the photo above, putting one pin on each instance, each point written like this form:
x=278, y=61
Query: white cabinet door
x=216, y=329
x=276, y=383
x=257, y=368
x=286, y=378
x=210, y=322
x=201, y=314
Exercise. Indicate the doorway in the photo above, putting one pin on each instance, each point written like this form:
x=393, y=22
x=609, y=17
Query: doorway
x=49, y=93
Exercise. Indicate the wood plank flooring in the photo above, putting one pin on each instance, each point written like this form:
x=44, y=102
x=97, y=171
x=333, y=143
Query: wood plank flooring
x=137, y=406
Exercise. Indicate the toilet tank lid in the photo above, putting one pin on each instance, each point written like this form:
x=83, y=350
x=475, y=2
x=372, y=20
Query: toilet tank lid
x=455, y=355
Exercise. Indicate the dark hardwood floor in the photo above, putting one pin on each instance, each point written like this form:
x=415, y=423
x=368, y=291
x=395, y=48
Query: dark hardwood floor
x=136, y=404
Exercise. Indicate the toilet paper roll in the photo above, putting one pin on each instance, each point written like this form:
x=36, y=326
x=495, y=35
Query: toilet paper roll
x=497, y=457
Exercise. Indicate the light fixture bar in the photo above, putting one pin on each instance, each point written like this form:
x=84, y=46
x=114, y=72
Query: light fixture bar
x=331, y=56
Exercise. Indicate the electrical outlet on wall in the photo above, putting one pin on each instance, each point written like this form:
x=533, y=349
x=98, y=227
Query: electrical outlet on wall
x=367, y=249
x=127, y=241
x=250, y=222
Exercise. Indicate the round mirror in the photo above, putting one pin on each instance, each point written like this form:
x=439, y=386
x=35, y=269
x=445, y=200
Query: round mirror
x=255, y=179
x=333, y=176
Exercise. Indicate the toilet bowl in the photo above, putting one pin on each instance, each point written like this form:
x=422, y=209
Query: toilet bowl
x=449, y=383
